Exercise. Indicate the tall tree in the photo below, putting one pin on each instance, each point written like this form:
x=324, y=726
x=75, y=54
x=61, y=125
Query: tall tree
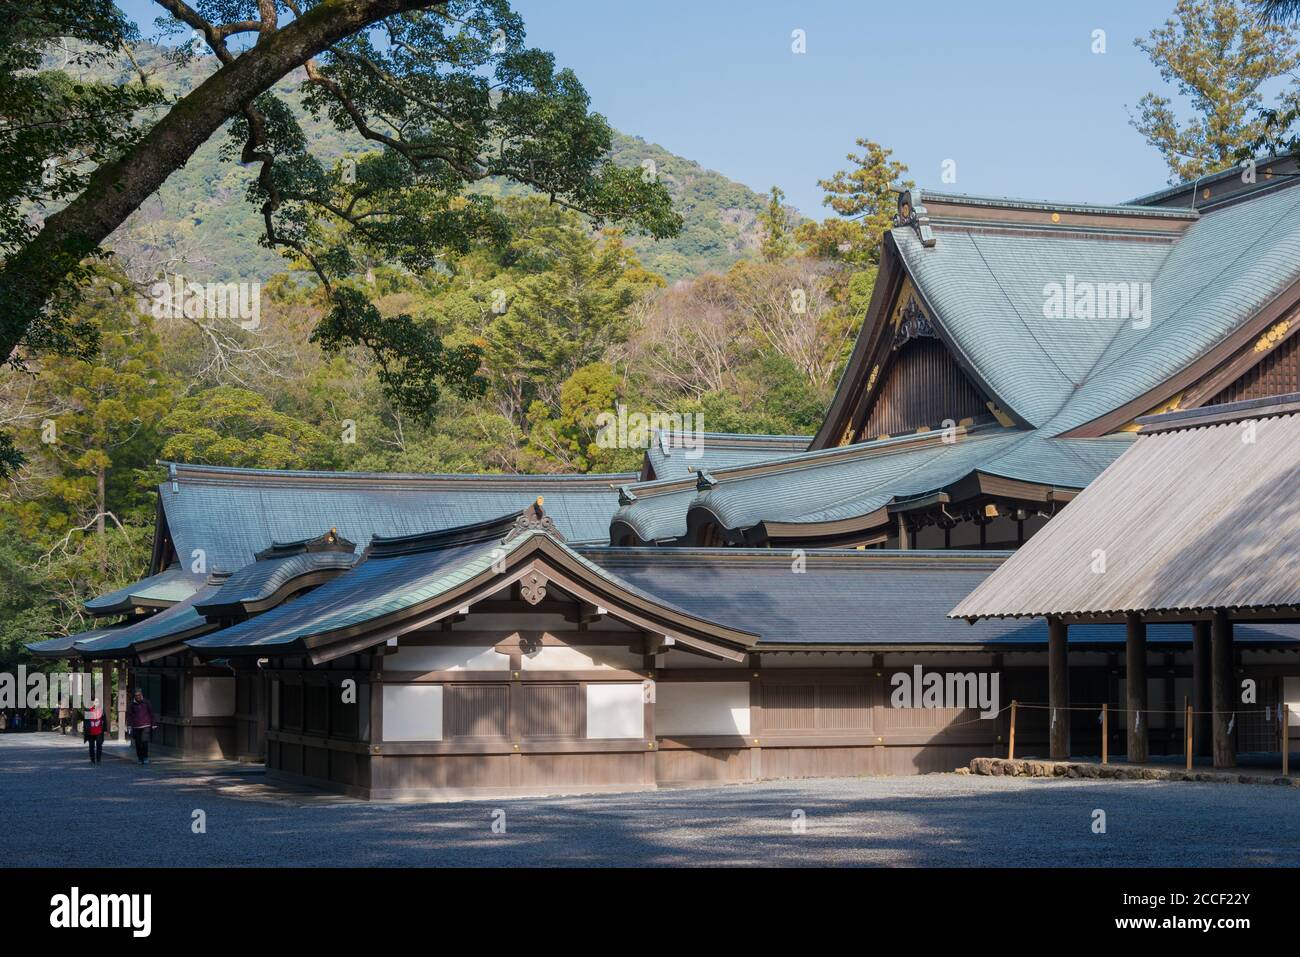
x=111, y=404
x=447, y=92
x=865, y=198
x=230, y=426
x=1218, y=55
x=775, y=221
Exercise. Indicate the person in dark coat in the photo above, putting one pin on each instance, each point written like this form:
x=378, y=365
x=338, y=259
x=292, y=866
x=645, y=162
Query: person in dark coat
x=92, y=731
x=140, y=725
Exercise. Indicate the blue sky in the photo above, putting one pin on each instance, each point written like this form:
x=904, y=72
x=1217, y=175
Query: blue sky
x=1009, y=90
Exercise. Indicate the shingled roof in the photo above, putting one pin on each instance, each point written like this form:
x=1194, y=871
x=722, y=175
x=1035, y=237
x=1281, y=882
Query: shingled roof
x=1202, y=513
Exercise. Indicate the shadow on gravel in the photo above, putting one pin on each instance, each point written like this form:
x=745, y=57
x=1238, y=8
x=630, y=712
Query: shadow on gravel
x=61, y=811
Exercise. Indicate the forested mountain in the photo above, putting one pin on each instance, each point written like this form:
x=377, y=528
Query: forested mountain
x=201, y=218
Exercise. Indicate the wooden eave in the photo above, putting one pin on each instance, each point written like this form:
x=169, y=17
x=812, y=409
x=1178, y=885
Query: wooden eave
x=972, y=487
x=1273, y=613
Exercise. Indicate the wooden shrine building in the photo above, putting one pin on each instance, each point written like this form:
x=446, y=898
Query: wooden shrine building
x=759, y=606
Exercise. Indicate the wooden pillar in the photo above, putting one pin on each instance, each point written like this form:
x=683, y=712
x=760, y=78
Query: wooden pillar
x=1135, y=675
x=1058, y=689
x=106, y=701
x=902, y=533
x=755, y=719
x=1202, y=726
x=1221, y=689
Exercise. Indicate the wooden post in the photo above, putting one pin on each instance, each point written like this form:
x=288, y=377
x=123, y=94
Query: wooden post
x=1286, y=738
x=1187, y=730
x=1135, y=674
x=1011, y=740
x=1221, y=684
x=1202, y=699
x=1105, y=734
x=1058, y=689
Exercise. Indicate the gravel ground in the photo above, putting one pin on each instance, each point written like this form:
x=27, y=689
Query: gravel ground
x=58, y=810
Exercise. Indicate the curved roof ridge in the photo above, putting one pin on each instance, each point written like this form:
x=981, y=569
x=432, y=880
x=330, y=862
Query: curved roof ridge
x=818, y=456
x=1055, y=206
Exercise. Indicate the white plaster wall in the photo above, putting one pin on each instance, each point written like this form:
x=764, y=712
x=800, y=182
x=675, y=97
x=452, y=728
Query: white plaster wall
x=581, y=658
x=446, y=658
x=615, y=710
x=413, y=712
x=1291, y=695
x=702, y=707
x=214, y=697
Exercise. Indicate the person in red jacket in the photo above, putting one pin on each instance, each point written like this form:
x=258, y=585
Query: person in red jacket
x=92, y=731
x=140, y=725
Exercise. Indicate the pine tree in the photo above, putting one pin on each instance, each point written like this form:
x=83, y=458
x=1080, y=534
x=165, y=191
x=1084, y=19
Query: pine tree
x=1219, y=56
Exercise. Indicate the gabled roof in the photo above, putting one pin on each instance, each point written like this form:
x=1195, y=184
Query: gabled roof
x=674, y=455
x=982, y=268
x=168, y=626
x=1202, y=513
x=405, y=584
x=833, y=485
x=232, y=514
x=985, y=292
x=162, y=590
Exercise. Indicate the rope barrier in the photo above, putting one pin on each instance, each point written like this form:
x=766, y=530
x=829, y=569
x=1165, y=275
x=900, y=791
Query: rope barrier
x=1268, y=711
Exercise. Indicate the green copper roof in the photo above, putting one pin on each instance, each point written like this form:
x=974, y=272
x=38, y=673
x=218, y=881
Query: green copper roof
x=857, y=480
x=670, y=457
x=62, y=646
x=232, y=514
x=179, y=619
x=987, y=289
x=169, y=586
x=382, y=585
x=374, y=588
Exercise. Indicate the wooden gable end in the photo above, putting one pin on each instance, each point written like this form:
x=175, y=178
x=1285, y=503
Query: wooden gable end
x=1267, y=364
x=1276, y=373
x=915, y=382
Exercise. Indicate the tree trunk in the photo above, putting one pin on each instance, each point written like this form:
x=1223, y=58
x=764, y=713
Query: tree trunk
x=115, y=190
x=100, y=505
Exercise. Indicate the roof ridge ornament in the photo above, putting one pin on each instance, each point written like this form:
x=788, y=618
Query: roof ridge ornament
x=533, y=518
x=625, y=495
x=912, y=212
x=703, y=479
